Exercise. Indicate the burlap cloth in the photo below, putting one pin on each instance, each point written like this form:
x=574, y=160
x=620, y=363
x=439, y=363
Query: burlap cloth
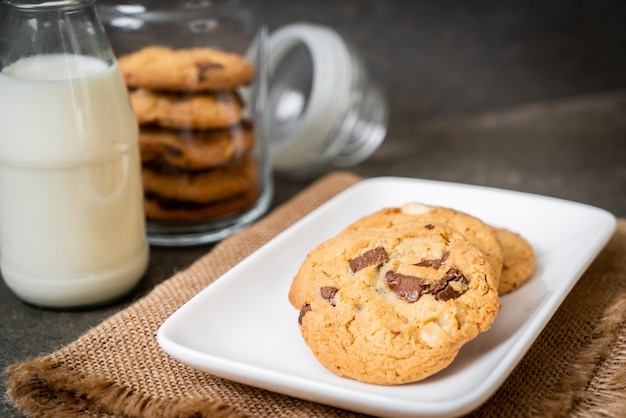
x=577, y=367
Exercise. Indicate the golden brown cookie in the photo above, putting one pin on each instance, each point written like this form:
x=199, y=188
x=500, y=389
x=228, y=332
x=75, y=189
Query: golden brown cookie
x=474, y=230
x=519, y=260
x=393, y=305
x=198, y=111
x=201, y=186
x=173, y=210
x=193, y=69
x=195, y=149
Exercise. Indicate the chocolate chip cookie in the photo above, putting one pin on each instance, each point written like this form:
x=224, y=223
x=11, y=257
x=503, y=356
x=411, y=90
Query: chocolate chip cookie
x=393, y=304
x=196, y=149
x=179, y=110
x=192, y=69
x=519, y=260
x=201, y=186
x=162, y=209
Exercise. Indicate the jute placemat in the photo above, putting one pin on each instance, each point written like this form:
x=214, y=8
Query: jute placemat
x=577, y=367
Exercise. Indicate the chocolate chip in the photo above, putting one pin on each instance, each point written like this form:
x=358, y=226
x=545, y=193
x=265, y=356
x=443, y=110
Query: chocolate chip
x=306, y=308
x=206, y=66
x=328, y=292
x=173, y=151
x=444, y=289
x=436, y=263
x=429, y=226
x=376, y=256
x=405, y=287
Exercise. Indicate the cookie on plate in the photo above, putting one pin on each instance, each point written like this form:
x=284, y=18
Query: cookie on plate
x=196, y=149
x=191, y=69
x=472, y=228
x=179, y=110
x=519, y=260
x=393, y=305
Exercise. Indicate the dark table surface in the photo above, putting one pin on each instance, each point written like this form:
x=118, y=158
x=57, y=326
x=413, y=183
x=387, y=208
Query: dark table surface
x=521, y=95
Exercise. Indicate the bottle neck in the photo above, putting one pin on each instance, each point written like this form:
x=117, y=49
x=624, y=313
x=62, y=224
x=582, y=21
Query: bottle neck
x=71, y=27
x=49, y=6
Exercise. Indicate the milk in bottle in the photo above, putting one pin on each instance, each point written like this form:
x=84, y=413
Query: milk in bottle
x=72, y=227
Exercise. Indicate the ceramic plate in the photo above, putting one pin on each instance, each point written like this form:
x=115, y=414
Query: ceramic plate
x=243, y=328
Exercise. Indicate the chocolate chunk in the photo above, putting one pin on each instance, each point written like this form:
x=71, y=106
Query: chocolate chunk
x=406, y=287
x=444, y=289
x=328, y=292
x=175, y=152
x=206, y=66
x=434, y=263
x=376, y=256
x=306, y=308
x=429, y=226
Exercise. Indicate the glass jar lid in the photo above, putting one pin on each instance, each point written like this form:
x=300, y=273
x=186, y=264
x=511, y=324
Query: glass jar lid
x=322, y=108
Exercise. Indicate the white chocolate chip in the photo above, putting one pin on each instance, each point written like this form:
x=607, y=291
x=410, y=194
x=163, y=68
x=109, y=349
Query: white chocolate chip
x=433, y=335
x=415, y=209
x=459, y=287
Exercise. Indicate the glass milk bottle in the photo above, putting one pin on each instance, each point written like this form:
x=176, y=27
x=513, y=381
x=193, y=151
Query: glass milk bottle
x=72, y=229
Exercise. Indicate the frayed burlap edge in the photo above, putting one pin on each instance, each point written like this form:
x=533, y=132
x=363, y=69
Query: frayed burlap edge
x=32, y=384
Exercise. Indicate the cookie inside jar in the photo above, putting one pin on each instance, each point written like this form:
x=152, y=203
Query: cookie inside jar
x=196, y=74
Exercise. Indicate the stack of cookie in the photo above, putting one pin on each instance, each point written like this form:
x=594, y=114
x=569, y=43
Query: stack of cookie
x=195, y=141
x=394, y=297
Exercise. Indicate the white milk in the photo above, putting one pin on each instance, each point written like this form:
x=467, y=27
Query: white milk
x=72, y=229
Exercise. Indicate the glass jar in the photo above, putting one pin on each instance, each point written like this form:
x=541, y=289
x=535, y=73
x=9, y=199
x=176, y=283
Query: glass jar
x=197, y=78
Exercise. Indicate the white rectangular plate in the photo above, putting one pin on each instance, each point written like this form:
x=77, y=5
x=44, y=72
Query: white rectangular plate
x=243, y=328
